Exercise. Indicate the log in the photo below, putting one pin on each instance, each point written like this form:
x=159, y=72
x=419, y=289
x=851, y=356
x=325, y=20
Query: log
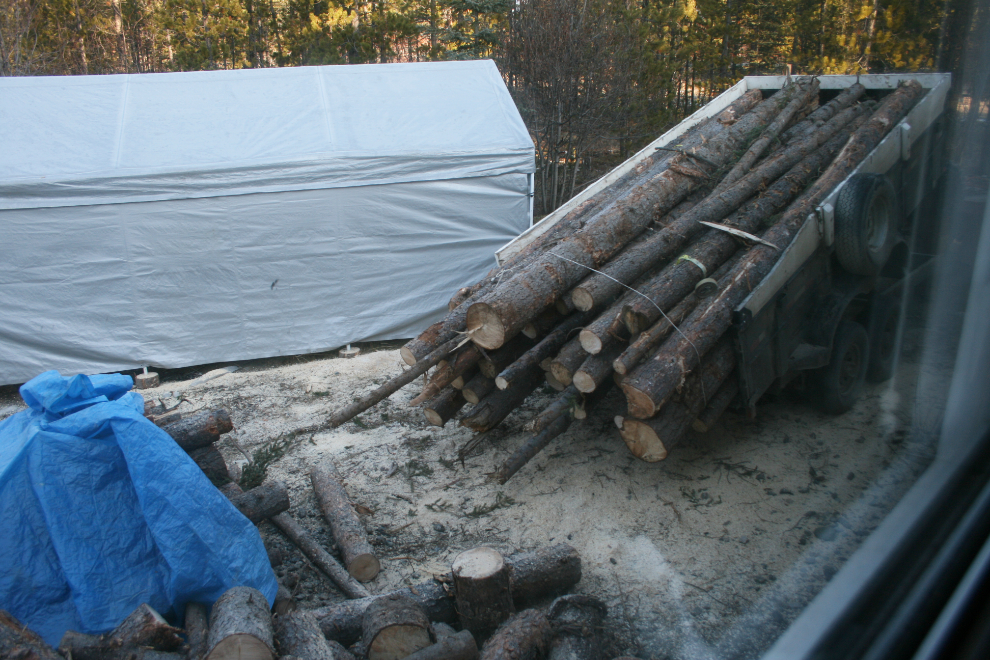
x=459, y=297
x=345, y=526
x=662, y=245
x=477, y=388
x=499, y=404
x=845, y=98
x=482, y=590
x=145, y=627
x=18, y=641
x=503, y=311
x=447, y=371
x=320, y=557
x=650, y=338
x=568, y=360
x=284, y=602
x=240, y=626
x=442, y=408
x=211, y=462
x=713, y=248
x=547, y=347
x=197, y=626
x=458, y=646
x=526, y=636
x=601, y=332
x=459, y=382
x=654, y=381
x=597, y=369
x=416, y=349
x=499, y=359
x=542, y=324
x=262, y=502
x=200, y=430
x=395, y=626
x=298, y=634
x=535, y=575
x=706, y=420
x=577, y=621
x=568, y=399
x=553, y=382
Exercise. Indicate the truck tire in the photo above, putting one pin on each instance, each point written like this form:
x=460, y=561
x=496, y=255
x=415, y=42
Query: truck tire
x=884, y=318
x=866, y=223
x=836, y=386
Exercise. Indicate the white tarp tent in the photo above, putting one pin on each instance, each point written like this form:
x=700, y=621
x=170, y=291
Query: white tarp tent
x=189, y=218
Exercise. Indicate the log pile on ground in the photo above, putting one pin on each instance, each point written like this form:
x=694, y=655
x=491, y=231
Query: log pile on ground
x=636, y=285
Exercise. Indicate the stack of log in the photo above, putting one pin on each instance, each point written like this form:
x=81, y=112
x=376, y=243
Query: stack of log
x=637, y=284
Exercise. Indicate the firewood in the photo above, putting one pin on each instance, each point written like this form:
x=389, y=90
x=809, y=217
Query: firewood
x=458, y=646
x=18, y=641
x=481, y=585
x=568, y=360
x=547, y=347
x=240, y=626
x=199, y=430
x=652, y=439
x=458, y=298
x=309, y=547
x=501, y=313
x=501, y=358
x=447, y=371
x=211, y=462
x=577, y=622
x=395, y=626
x=262, y=502
x=717, y=406
x=346, y=527
x=298, y=634
x=499, y=404
x=846, y=98
x=654, y=381
x=713, y=248
x=535, y=575
x=568, y=399
x=597, y=369
x=442, y=408
x=197, y=627
x=477, y=388
x=553, y=382
x=526, y=636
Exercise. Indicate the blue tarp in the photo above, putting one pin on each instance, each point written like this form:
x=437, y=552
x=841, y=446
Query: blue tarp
x=100, y=511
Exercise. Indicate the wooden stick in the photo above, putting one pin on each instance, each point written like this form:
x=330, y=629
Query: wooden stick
x=346, y=527
x=199, y=430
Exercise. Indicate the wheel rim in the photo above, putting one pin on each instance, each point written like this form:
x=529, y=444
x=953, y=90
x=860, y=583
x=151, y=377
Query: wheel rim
x=852, y=362
x=877, y=223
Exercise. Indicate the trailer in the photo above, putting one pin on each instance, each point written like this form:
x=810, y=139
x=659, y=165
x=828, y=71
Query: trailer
x=829, y=310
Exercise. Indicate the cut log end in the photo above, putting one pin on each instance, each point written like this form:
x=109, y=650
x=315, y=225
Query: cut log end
x=584, y=382
x=241, y=647
x=397, y=642
x=582, y=299
x=640, y=404
x=485, y=327
x=433, y=417
x=531, y=331
x=478, y=563
x=407, y=356
x=500, y=383
x=642, y=441
x=364, y=567
x=590, y=342
x=554, y=383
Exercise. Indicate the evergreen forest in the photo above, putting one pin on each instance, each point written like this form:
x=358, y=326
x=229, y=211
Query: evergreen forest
x=593, y=79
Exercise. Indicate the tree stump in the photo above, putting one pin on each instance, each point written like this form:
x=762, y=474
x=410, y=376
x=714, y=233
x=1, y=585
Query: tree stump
x=481, y=585
x=359, y=556
x=395, y=626
x=240, y=626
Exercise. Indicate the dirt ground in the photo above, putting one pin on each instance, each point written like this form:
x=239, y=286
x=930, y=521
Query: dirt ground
x=709, y=553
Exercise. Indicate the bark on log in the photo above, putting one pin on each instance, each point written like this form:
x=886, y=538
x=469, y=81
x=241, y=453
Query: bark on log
x=458, y=646
x=653, y=382
x=395, y=626
x=482, y=589
x=200, y=430
x=345, y=526
x=197, y=627
x=447, y=371
x=554, y=383
x=568, y=399
x=706, y=420
x=568, y=360
x=477, y=388
x=547, y=347
x=601, y=332
x=459, y=297
x=526, y=636
x=652, y=439
x=649, y=339
x=597, y=369
x=18, y=641
x=577, y=622
x=444, y=406
x=535, y=575
x=145, y=627
x=846, y=98
x=261, y=502
x=499, y=404
x=240, y=626
x=498, y=360
x=510, y=305
x=320, y=557
x=542, y=324
x=298, y=634
x=416, y=349
x=662, y=245
x=284, y=602
x=211, y=462
x=679, y=278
